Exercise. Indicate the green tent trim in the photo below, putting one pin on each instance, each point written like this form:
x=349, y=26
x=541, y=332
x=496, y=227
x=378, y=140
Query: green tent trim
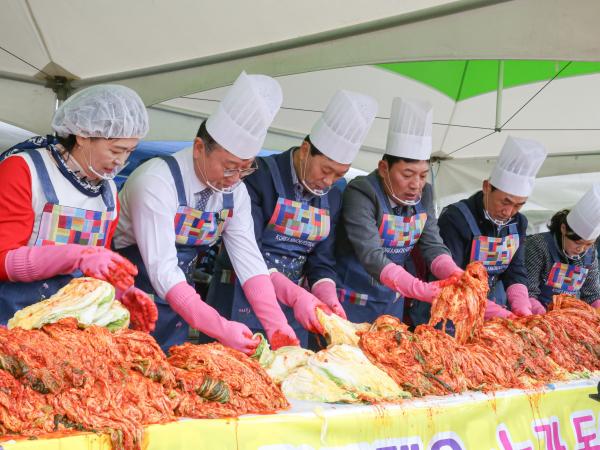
x=463, y=79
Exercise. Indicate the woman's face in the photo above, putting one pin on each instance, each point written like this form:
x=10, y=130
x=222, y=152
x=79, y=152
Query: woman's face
x=574, y=247
x=103, y=155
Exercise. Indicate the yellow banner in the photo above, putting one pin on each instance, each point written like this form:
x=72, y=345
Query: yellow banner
x=560, y=418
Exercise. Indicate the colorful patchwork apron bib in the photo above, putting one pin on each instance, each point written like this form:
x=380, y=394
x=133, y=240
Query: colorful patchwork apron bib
x=195, y=232
x=289, y=237
x=564, y=278
x=495, y=253
x=59, y=224
x=363, y=297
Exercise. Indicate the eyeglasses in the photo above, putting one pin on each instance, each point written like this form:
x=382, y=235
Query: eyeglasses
x=242, y=173
x=228, y=173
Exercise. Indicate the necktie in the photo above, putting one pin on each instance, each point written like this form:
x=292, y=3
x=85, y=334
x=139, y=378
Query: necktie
x=397, y=210
x=202, y=198
x=301, y=194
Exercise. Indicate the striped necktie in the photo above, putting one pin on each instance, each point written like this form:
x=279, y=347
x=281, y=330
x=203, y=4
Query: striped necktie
x=202, y=198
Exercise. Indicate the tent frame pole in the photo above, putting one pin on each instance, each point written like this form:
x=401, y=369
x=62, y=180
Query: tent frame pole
x=499, y=90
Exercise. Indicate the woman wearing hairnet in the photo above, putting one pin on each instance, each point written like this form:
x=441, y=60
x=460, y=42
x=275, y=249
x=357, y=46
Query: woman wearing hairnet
x=59, y=206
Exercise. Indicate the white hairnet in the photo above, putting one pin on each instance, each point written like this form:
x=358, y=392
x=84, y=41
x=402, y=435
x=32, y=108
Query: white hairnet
x=106, y=110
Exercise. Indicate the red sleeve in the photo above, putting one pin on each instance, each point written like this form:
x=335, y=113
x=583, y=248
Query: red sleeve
x=113, y=225
x=16, y=216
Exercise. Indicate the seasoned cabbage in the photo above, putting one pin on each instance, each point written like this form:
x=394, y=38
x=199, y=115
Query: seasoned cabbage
x=308, y=383
x=338, y=330
x=285, y=360
x=90, y=301
x=279, y=363
x=349, y=368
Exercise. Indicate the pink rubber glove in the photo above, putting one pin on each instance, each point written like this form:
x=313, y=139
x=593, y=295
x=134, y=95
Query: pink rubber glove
x=443, y=266
x=494, y=310
x=142, y=309
x=398, y=279
x=518, y=299
x=325, y=291
x=39, y=263
x=261, y=296
x=596, y=303
x=536, y=306
x=302, y=301
x=186, y=302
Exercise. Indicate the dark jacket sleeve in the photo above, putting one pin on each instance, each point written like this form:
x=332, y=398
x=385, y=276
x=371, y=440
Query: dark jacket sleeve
x=455, y=233
x=590, y=291
x=537, y=263
x=516, y=271
x=321, y=261
x=430, y=243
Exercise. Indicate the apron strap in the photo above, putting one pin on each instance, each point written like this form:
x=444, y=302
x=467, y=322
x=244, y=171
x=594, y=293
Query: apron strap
x=419, y=208
x=43, y=175
x=324, y=201
x=228, y=201
x=176, y=173
x=469, y=217
x=552, y=247
x=385, y=201
x=107, y=196
x=588, y=259
x=276, y=175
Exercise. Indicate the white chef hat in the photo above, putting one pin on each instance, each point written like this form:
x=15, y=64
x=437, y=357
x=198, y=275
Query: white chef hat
x=105, y=110
x=343, y=126
x=242, y=119
x=584, y=218
x=517, y=165
x=410, y=129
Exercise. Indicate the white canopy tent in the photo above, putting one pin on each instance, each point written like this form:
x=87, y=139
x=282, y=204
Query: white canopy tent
x=171, y=51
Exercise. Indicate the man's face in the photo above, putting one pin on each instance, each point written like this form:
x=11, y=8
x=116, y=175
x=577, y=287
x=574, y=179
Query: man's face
x=500, y=205
x=404, y=181
x=218, y=166
x=319, y=172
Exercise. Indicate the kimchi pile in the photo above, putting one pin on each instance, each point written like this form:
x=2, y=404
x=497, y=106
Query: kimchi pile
x=502, y=353
x=62, y=377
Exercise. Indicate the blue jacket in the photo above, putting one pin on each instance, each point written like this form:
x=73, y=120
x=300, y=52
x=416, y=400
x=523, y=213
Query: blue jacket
x=458, y=238
x=321, y=261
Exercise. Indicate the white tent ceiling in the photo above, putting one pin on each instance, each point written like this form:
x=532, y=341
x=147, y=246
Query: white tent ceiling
x=167, y=50
x=564, y=105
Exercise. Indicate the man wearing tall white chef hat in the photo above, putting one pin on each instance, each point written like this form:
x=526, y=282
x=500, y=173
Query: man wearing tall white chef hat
x=175, y=207
x=489, y=228
x=295, y=207
x=564, y=260
x=384, y=215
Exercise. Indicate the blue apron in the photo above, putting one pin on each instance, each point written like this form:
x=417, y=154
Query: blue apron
x=564, y=278
x=195, y=232
x=363, y=297
x=59, y=225
x=494, y=252
x=290, y=235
